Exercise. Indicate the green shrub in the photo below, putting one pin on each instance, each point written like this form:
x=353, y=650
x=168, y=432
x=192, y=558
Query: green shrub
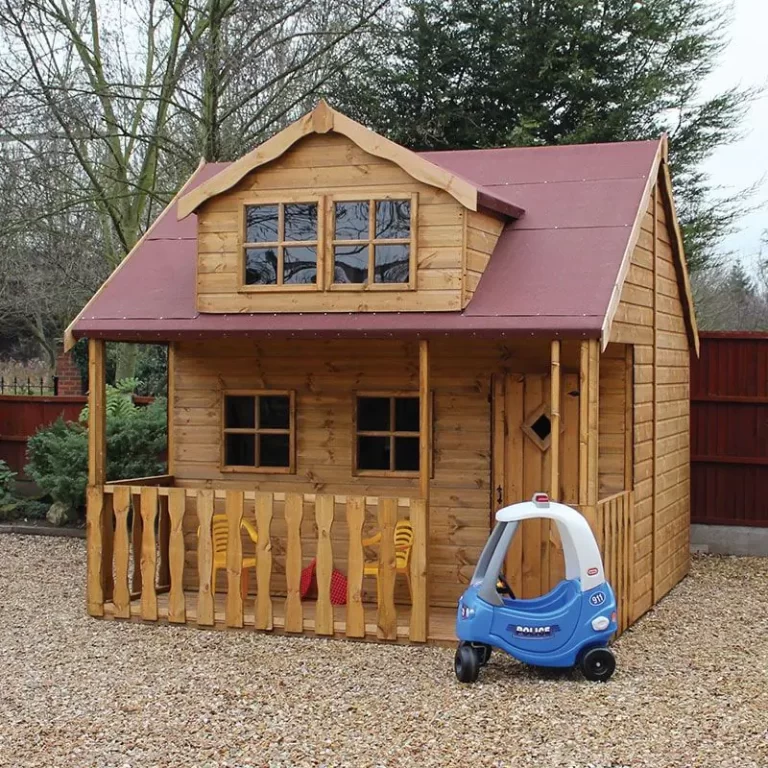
x=136, y=438
x=58, y=461
x=7, y=482
x=30, y=509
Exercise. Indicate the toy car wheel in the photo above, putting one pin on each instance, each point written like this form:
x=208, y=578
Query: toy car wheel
x=466, y=664
x=598, y=664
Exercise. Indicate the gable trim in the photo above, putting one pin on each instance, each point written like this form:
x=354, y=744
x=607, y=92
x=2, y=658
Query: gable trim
x=659, y=176
x=634, y=236
x=681, y=266
x=69, y=338
x=324, y=119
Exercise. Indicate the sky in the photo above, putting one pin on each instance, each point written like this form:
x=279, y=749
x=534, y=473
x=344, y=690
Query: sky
x=739, y=165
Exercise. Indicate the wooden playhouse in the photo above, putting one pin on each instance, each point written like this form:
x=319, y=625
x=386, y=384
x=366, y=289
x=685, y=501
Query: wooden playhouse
x=371, y=350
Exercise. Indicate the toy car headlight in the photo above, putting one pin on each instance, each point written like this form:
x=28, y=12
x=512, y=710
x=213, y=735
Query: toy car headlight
x=467, y=612
x=600, y=623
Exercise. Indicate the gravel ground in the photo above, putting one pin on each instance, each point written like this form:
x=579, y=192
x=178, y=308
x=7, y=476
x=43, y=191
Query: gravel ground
x=691, y=687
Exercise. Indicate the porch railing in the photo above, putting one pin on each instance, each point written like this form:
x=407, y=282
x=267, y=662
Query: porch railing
x=615, y=536
x=138, y=561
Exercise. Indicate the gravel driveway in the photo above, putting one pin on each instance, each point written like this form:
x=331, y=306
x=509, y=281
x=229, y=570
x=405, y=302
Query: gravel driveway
x=691, y=687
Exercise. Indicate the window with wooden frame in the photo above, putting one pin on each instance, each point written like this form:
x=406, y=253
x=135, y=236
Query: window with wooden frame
x=387, y=434
x=372, y=242
x=280, y=245
x=258, y=431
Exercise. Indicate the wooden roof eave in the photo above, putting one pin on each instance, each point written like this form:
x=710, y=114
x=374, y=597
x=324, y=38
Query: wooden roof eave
x=324, y=119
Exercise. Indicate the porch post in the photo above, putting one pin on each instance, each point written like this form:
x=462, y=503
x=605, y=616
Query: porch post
x=419, y=628
x=425, y=432
x=589, y=382
x=96, y=476
x=554, y=480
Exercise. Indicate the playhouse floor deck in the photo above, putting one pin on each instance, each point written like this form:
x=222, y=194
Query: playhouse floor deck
x=441, y=624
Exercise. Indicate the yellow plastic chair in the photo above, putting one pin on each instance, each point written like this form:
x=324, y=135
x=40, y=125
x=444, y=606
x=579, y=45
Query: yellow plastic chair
x=220, y=537
x=403, y=546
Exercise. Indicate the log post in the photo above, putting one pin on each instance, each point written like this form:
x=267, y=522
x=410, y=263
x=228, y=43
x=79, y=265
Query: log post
x=97, y=462
x=589, y=382
x=554, y=444
x=425, y=470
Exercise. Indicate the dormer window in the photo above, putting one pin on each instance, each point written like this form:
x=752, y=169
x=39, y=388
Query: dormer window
x=330, y=243
x=372, y=243
x=280, y=244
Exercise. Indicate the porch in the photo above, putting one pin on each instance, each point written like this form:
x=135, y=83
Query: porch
x=152, y=553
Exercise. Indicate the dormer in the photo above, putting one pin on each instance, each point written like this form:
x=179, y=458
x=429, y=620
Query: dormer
x=328, y=216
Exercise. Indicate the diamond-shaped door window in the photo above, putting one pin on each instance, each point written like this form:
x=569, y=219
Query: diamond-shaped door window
x=538, y=427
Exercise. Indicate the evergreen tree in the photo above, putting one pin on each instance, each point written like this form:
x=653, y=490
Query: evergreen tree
x=484, y=73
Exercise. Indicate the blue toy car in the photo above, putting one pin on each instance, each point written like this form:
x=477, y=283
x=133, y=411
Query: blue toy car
x=569, y=626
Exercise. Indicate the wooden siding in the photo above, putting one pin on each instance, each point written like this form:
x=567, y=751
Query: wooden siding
x=482, y=234
x=324, y=165
x=325, y=375
x=651, y=317
x=612, y=421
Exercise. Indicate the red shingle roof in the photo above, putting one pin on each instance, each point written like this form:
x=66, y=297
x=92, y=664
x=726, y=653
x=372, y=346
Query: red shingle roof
x=552, y=272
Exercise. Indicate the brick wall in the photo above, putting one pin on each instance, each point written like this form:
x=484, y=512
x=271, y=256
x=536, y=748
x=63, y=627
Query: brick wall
x=70, y=382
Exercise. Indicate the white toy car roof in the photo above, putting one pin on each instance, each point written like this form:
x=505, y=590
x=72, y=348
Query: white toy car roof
x=580, y=550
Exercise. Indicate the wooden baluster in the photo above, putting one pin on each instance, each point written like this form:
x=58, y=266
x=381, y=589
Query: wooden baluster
x=122, y=595
x=294, y=511
x=387, y=614
x=94, y=586
x=612, y=540
x=205, y=608
x=625, y=556
x=630, y=561
x=419, y=628
x=264, y=509
x=234, y=607
x=148, y=553
x=355, y=611
x=177, y=608
x=324, y=509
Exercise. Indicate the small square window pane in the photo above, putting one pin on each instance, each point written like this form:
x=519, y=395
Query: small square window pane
x=392, y=263
x=373, y=452
x=261, y=224
x=300, y=221
x=274, y=412
x=240, y=450
x=275, y=450
x=350, y=264
x=407, y=454
x=406, y=414
x=393, y=219
x=239, y=412
x=261, y=266
x=300, y=265
x=352, y=221
x=373, y=414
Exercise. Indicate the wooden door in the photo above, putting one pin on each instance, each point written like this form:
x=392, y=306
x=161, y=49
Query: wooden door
x=521, y=467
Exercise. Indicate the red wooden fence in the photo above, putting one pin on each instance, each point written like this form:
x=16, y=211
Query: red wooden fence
x=20, y=418
x=729, y=430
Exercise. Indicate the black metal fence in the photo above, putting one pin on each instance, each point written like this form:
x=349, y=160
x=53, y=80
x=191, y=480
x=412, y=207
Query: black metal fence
x=31, y=385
